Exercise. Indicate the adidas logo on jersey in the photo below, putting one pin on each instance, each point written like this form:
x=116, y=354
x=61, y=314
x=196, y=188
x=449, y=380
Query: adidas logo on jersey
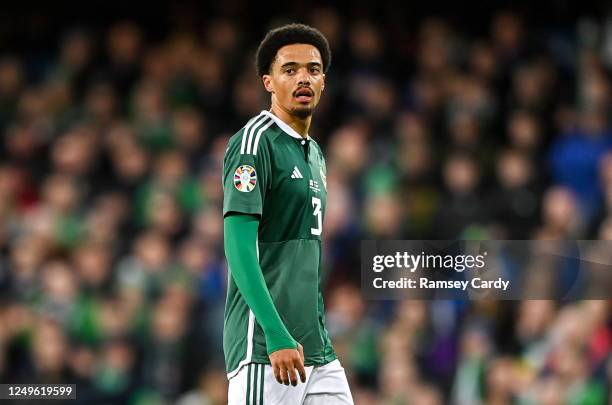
x=296, y=173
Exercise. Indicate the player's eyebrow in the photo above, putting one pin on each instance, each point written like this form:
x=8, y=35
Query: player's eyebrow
x=291, y=64
x=288, y=64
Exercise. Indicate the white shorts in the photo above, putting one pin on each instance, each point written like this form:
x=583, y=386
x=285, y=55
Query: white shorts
x=255, y=384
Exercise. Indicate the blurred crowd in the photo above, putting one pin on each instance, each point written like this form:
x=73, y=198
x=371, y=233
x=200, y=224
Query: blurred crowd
x=112, y=274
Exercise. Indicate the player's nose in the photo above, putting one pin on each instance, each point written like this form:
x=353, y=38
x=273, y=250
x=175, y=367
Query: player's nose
x=303, y=78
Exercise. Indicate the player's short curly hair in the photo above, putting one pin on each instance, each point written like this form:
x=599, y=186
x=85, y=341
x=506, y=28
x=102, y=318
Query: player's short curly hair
x=287, y=35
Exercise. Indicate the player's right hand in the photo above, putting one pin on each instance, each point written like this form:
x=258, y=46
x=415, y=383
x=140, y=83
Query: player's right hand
x=287, y=363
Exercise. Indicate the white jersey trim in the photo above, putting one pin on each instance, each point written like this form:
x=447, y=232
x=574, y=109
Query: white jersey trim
x=249, y=130
x=286, y=128
x=261, y=130
x=249, y=352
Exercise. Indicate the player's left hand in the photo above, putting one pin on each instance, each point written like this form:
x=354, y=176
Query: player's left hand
x=286, y=362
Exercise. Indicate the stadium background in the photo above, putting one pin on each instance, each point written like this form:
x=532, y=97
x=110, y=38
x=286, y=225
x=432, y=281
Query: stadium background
x=438, y=121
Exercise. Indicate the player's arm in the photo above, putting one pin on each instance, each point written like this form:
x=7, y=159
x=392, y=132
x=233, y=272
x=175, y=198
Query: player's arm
x=240, y=237
x=246, y=179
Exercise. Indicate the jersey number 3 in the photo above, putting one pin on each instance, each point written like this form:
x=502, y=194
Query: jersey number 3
x=316, y=204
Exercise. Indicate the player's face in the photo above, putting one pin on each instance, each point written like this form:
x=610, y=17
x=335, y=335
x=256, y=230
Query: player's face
x=296, y=79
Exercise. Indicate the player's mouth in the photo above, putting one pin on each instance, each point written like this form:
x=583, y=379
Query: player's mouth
x=303, y=95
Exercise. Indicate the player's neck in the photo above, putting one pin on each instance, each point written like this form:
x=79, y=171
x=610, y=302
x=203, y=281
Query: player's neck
x=300, y=125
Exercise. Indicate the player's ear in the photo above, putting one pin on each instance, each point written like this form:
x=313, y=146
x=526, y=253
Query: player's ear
x=323, y=83
x=267, y=82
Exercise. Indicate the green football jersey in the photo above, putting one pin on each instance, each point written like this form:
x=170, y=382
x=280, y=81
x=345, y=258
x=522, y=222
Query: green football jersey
x=271, y=171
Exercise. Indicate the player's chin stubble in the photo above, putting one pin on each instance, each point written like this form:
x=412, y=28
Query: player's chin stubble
x=302, y=113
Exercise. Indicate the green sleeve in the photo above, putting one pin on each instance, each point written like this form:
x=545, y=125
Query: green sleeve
x=246, y=176
x=240, y=235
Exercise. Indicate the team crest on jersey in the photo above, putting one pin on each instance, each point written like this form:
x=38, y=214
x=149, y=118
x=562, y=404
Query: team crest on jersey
x=245, y=178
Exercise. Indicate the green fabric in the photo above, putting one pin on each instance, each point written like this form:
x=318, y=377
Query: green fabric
x=255, y=391
x=248, y=391
x=156, y=136
x=381, y=179
x=85, y=322
x=147, y=396
x=591, y=393
x=110, y=379
x=69, y=231
x=363, y=355
x=187, y=193
x=241, y=252
x=274, y=174
x=261, y=383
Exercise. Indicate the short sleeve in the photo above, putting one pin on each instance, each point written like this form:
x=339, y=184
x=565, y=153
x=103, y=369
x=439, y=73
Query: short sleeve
x=246, y=178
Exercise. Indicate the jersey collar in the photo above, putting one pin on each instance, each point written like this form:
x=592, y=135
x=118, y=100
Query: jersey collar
x=286, y=128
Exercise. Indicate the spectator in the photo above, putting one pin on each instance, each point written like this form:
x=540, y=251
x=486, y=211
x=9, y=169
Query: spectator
x=111, y=237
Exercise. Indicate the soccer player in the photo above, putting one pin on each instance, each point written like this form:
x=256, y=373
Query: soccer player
x=277, y=349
